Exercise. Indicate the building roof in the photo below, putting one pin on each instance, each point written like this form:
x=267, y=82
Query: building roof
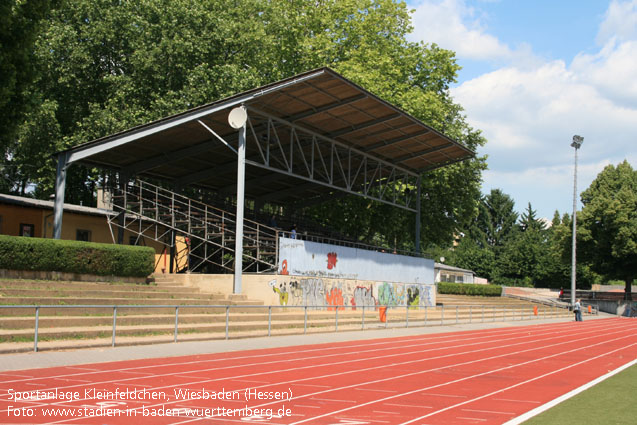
x=441, y=266
x=48, y=205
x=307, y=136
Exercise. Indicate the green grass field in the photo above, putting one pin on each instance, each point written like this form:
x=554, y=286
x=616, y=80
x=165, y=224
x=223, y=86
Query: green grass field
x=611, y=402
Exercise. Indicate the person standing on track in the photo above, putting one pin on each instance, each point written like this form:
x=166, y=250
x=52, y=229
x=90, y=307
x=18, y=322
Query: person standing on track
x=577, y=309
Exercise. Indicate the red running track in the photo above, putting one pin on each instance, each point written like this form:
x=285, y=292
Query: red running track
x=482, y=377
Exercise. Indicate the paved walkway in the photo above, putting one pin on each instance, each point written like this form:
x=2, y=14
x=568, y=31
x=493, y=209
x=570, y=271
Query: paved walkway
x=109, y=354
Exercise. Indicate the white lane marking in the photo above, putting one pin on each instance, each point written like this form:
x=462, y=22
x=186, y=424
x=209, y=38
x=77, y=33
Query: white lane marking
x=375, y=390
x=488, y=411
x=385, y=413
x=471, y=419
x=528, y=415
x=307, y=406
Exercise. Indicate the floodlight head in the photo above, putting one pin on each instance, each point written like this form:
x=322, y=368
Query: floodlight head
x=237, y=117
x=577, y=141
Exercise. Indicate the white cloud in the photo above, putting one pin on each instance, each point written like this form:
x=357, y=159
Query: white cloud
x=620, y=22
x=612, y=71
x=529, y=109
x=454, y=26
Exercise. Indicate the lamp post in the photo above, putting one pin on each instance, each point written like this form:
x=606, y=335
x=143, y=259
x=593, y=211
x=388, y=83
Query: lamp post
x=577, y=143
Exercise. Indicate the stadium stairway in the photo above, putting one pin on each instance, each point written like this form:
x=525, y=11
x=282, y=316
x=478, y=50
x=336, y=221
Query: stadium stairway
x=82, y=314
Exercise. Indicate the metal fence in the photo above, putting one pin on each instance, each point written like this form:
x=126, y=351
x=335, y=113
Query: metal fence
x=388, y=316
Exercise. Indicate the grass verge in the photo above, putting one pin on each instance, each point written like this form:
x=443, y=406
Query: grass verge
x=611, y=402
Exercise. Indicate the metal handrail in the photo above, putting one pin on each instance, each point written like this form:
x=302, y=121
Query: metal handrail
x=494, y=312
x=186, y=214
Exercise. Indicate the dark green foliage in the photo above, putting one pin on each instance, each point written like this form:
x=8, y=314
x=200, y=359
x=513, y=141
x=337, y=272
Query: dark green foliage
x=105, y=66
x=20, y=253
x=607, y=225
x=469, y=289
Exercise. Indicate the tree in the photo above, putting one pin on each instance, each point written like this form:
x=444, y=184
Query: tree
x=20, y=24
x=106, y=66
x=495, y=220
x=607, y=225
x=469, y=255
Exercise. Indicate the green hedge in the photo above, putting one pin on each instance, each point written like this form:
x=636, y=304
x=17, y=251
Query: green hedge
x=21, y=253
x=469, y=289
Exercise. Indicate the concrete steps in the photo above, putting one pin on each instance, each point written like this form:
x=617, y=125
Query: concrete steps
x=204, y=316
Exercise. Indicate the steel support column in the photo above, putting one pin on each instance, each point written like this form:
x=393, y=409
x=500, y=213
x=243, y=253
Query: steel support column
x=238, y=251
x=60, y=185
x=418, y=214
x=121, y=219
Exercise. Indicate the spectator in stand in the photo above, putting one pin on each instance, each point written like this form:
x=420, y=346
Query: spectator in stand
x=293, y=232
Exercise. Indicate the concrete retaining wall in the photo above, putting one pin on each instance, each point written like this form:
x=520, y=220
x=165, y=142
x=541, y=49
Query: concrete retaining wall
x=304, y=290
x=620, y=308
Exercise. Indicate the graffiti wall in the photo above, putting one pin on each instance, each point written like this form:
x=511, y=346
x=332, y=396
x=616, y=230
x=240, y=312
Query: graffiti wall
x=326, y=292
x=305, y=258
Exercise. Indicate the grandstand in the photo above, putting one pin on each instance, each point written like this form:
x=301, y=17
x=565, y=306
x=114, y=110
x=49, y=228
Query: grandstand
x=302, y=140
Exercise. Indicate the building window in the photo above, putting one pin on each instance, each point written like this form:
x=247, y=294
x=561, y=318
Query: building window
x=83, y=235
x=27, y=230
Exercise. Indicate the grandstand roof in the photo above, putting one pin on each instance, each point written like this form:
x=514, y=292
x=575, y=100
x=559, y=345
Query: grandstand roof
x=307, y=136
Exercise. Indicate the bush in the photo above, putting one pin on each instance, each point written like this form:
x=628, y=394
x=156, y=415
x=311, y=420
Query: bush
x=469, y=289
x=20, y=253
x=525, y=282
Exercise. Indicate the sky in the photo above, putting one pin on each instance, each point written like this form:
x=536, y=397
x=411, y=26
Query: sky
x=536, y=73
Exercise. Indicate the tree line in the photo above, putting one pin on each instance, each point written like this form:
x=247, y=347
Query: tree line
x=521, y=249
x=75, y=71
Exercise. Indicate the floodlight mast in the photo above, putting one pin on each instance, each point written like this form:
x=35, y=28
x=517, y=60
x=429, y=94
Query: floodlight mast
x=577, y=143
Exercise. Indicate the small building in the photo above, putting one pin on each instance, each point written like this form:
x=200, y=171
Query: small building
x=445, y=273
x=28, y=217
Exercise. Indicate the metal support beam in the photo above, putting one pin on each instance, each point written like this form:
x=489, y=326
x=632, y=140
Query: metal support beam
x=123, y=181
x=418, y=214
x=90, y=149
x=238, y=251
x=60, y=185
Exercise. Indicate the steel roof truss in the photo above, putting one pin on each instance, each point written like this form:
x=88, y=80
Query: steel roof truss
x=301, y=152
x=256, y=141
x=282, y=194
x=277, y=139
